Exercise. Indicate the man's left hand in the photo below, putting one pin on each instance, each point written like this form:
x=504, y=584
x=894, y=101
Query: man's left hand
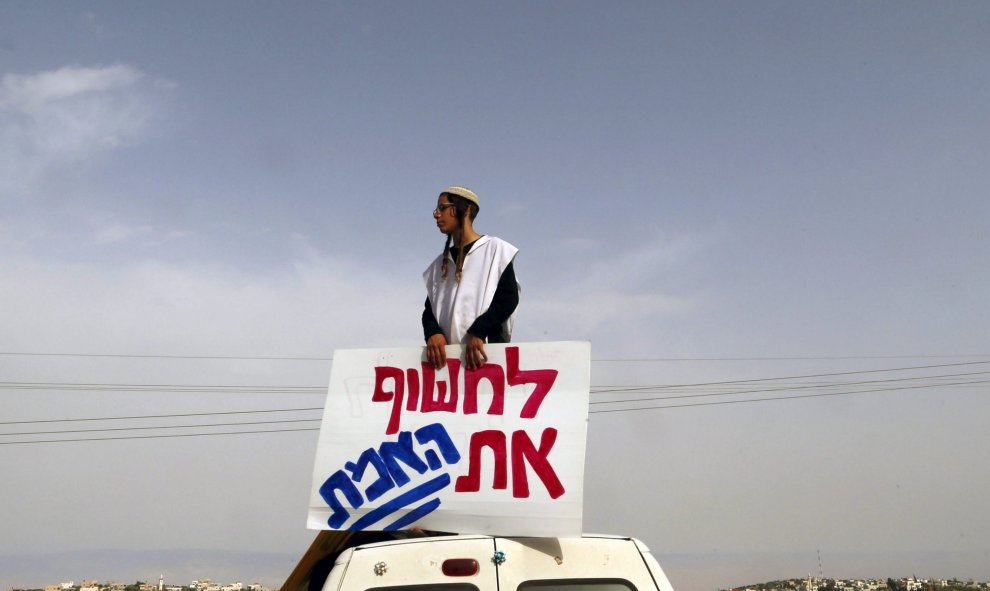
x=474, y=352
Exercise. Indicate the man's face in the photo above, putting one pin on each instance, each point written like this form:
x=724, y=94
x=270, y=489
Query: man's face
x=445, y=215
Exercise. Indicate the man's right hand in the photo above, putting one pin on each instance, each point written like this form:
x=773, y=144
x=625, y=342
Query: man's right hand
x=436, y=350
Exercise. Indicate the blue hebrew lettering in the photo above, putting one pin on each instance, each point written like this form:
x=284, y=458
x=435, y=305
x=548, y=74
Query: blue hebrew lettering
x=339, y=481
x=380, y=486
x=388, y=460
x=433, y=460
x=393, y=451
x=402, y=501
x=436, y=433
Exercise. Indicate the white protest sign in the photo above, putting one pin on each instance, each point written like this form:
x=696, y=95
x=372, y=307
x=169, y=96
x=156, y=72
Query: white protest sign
x=496, y=450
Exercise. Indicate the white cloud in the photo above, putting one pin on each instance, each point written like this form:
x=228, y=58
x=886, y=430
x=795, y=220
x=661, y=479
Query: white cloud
x=576, y=312
x=32, y=94
x=140, y=235
x=118, y=233
x=580, y=244
x=621, y=300
x=56, y=118
x=513, y=209
x=92, y=22
x=158, y=307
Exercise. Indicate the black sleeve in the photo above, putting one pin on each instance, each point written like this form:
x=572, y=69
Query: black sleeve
x=430, y=324
x=488, y=326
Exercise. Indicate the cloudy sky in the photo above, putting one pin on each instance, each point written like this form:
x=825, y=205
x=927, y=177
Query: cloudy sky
x=733, y=201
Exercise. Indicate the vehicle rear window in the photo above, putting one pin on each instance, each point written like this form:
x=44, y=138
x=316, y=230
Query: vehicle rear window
x=436, y=587
x=577, y=585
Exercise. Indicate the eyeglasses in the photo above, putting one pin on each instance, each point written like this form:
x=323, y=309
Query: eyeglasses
x=442, y=207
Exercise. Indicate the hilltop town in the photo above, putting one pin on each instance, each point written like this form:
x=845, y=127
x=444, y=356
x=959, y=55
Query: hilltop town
x=906, y=584
x=808, y=584
x=199, y=585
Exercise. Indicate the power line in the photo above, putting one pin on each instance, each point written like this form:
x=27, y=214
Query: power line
x=158, y=436
x=602, y=360
x=590, y=412
x=188, y=414
x=638, y=409
x=691, y=390
x=792, y=358
x=822, y=394
x=321, y=390
x=803, y=387
x=238, y=424
x=276, y=389
x=798, y=377
x=132, y=356
x=193, y=388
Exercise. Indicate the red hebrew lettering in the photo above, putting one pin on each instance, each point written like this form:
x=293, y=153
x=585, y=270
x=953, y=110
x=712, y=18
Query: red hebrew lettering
x=412, y=378
x=522, y=449
x=436, y=399
x=471, y=482
x=383, y=373
x=429, y=379
x=494, y=374
x=543, y=378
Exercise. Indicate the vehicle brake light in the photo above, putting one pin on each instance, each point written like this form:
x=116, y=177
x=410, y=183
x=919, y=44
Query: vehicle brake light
x=460, y=567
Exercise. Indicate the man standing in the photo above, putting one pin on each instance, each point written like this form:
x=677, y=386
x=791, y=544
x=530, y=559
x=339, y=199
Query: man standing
x=471, y=288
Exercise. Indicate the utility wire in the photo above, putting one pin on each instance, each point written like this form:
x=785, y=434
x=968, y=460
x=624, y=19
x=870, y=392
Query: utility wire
x=804, y=387
x=161, y=387
x=590, y=412
x=784, y=397
x=798, y=377
x=129, y=356
x=157, y=436
x=160, y=427
x=791, y=358
x=317, y=408
x=624, y=389
x=639, y=409
x=687, y=387
x=188, y=414
x=224, y=388
x=603, y=360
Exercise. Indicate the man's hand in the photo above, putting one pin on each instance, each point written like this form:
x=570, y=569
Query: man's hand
x=474, y=352
x=436, y=350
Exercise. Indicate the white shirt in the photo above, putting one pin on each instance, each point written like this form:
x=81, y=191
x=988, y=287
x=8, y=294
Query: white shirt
x=457, y=304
